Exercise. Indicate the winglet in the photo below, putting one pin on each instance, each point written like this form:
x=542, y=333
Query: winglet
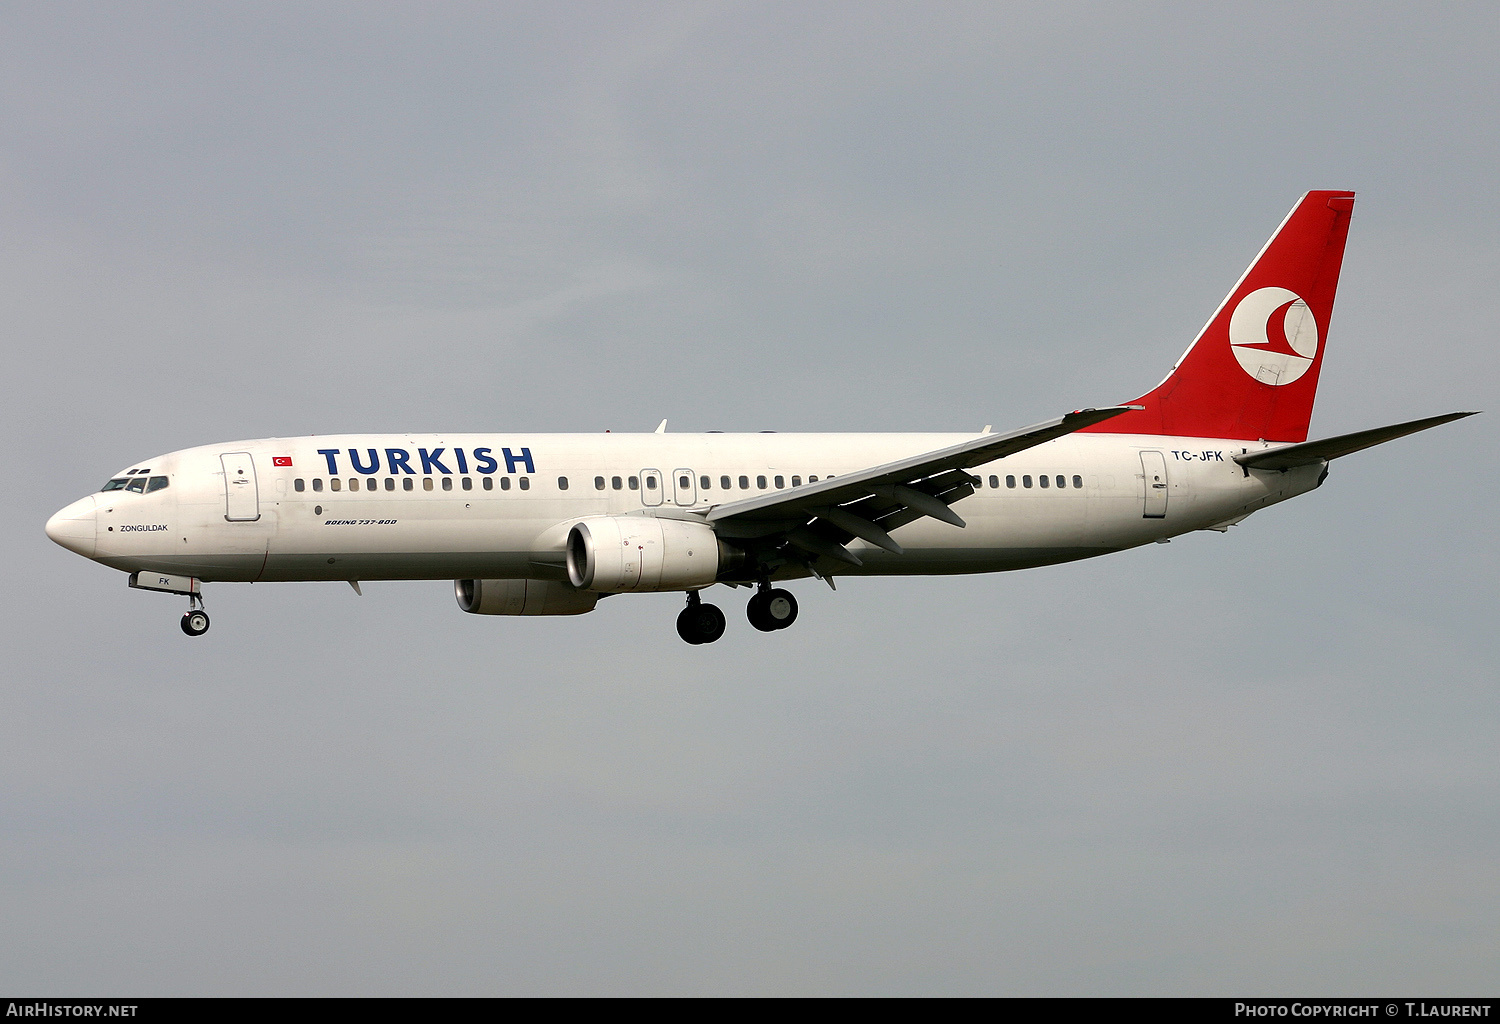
x=661, y=428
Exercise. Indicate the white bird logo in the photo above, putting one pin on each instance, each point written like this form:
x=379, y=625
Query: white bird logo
x=1273, y=335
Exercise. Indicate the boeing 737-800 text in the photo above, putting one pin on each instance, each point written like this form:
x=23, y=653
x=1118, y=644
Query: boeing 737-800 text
x=546, y=524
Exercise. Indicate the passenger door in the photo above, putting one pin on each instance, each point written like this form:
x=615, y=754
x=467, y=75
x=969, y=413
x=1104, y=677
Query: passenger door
x=241, y=492
x=1154, y=478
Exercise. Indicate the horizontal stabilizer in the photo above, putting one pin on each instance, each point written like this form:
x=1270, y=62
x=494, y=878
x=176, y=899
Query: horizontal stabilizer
x=1310, y=452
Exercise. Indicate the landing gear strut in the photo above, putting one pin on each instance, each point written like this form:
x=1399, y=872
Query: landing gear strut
x=698, y=623
x=771, y=609
x=195, y=619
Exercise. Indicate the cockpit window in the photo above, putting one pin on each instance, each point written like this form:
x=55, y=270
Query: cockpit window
x=115, y=485
x=156, y=483
x=137, y=484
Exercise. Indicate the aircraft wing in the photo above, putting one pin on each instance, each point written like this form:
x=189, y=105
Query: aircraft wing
x=1310, y=452
x=819, y=519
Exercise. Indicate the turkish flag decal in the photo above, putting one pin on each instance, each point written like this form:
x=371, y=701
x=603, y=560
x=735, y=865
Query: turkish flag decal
x=281, y=460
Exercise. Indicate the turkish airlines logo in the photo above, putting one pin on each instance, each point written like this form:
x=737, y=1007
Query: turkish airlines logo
x=1273, y=335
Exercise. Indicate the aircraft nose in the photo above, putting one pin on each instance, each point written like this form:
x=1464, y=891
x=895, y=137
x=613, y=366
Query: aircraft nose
x=73, y=527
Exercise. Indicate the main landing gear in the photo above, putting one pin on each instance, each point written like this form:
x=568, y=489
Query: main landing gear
x=769, y=610
x=699, y=623
x=195, y=619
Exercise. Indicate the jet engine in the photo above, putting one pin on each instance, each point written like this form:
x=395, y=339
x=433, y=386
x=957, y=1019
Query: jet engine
x=613, y=554
x=522, y=597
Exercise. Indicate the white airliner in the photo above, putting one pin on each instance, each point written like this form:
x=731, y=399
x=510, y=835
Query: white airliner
x=546, y=524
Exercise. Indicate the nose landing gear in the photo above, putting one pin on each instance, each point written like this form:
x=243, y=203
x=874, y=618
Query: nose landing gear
x=699, y=623
x=195, y=619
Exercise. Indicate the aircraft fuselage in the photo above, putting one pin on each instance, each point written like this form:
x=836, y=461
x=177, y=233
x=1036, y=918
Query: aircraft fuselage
x=411, y=507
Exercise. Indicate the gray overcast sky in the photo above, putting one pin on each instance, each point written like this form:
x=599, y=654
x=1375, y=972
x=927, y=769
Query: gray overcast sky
x=1255, y=763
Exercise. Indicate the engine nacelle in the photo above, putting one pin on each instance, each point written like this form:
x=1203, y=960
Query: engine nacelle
x=522, y=597
x=614, y=554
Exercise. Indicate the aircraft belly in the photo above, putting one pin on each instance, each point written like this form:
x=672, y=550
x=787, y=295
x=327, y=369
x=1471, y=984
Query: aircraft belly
x=960, y=560
x=401, y=565
x=217, y=568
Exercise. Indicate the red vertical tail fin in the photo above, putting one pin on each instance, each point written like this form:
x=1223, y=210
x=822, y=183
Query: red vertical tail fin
x=1253, y=371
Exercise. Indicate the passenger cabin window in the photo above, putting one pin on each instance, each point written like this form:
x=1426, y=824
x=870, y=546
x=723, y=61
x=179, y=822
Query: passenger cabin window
x=796, y=481
x=525, y=483
x=745, y=483
x=1026, y=481
x=614, y=483
x=812, y=479
x=468, y=484
x=297, y=484
x=635, y=483
x=505, y=483
x=489, y=483
x=1010, y=481
x=1042, y=480
x=1062, y=481
x=390, y=483
x=317, y=483
x=650, y=481
x=686, y=481
x=780, y=482
x=598, y=483
x=760, y=482
x=724, y=482
x=427, y=483
x=447, y=483
x=353, y=483
x=1078, y=481
x=562, y=483
x=406, y=484
x=704, y=482
x=335, y=484
x=995, y=481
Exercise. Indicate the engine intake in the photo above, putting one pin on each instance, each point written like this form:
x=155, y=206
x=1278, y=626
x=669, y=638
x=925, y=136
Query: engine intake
x=614, y=554
x=522, y=597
